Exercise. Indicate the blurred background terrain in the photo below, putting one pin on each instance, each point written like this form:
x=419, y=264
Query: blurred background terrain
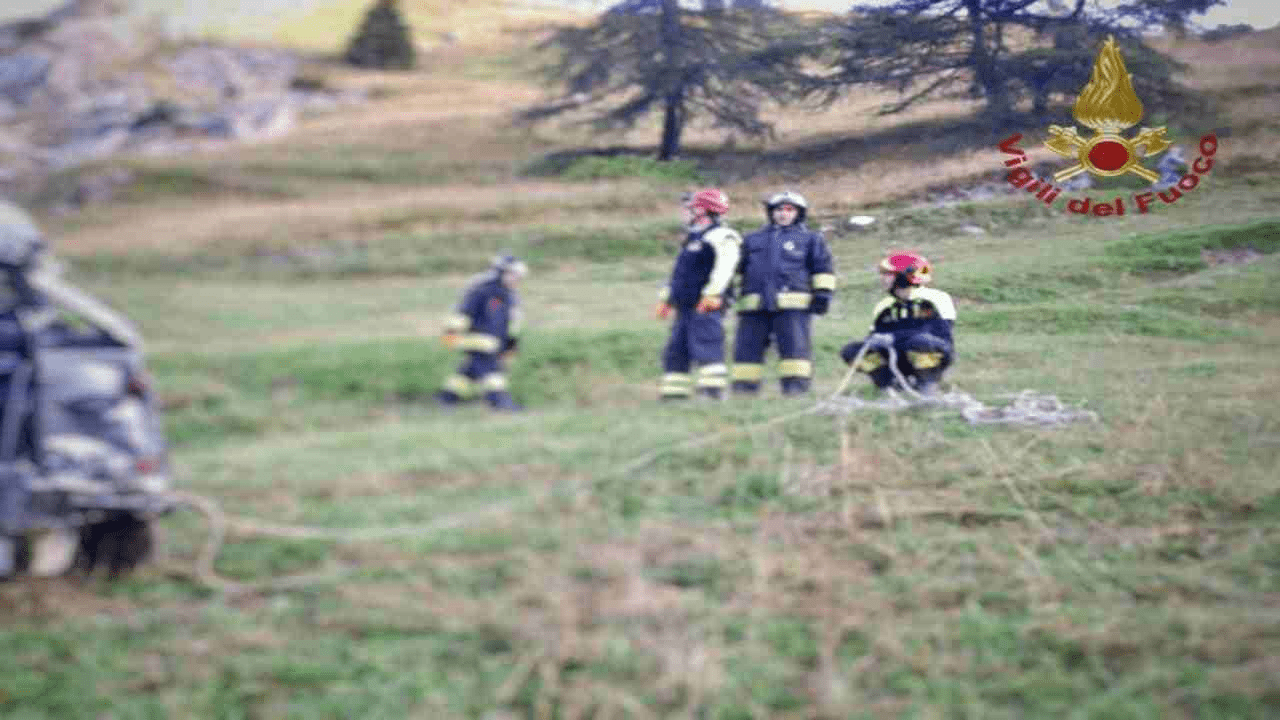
x=289, y=231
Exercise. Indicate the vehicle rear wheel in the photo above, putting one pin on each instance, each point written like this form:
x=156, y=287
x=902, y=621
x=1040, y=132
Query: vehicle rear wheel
x=119, y=544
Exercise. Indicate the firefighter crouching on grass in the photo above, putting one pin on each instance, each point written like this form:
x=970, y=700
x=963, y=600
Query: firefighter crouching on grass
x=917, y=319
x=486, y=327
x=786, y=274
x=696, y=292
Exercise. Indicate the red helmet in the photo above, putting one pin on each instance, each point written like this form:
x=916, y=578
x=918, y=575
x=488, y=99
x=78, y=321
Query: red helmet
x=712, y=200
x=913, y=266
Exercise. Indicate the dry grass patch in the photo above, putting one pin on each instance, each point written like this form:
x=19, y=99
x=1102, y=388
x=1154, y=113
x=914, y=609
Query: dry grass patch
x=1239, y=62
x=352, y=213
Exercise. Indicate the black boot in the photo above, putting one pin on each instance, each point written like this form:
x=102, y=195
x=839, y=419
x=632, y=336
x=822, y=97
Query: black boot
x=882, y=377
x=502, y=400
x=927, y=381
x=448, y=397
x=794, y=385
x=710, y=392
x=746, y=387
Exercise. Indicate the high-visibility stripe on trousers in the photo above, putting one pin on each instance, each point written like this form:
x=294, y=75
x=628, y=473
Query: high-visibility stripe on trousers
x=676, y=385
x=714, y=376
x=479, y=373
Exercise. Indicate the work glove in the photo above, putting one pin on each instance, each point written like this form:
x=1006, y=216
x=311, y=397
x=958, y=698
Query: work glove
x=820, y=304
x=450, y=340
x=710, y=303
x=662, y=311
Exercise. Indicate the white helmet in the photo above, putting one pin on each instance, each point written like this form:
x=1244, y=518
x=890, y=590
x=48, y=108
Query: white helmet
x=509, y=264
x=786, y=197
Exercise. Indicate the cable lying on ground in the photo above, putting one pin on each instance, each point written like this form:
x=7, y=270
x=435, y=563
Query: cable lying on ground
x=1028, y=408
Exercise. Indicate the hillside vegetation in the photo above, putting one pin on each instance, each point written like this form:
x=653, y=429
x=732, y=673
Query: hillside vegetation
x=578, y=561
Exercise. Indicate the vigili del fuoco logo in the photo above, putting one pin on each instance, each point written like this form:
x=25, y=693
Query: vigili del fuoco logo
x=1108, y=106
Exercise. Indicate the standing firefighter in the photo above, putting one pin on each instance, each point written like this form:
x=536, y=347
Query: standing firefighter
x=486, y=328
x=697, y=290
x=915, y=319
x=786, y=274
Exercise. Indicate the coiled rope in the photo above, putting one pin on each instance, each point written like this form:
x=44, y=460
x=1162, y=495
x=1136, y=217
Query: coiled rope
x=1029, y=407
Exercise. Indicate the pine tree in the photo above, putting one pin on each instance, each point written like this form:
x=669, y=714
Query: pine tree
x=383, y=40
x=952, y=48
x=645, y=57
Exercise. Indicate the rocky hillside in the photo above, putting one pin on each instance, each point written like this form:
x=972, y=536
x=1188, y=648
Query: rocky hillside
x=77, y=85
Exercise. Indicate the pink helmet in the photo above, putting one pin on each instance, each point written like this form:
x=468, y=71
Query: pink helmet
x=913, y=267
x=712, y=200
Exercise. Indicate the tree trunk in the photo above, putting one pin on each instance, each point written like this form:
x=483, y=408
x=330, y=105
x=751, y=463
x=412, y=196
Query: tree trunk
x=1040, y=105
x=984, y=66
x=673, y=102
x=672, y=125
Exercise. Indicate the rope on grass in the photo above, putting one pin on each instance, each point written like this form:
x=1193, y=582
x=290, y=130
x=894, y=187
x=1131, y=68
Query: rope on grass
x=1027, y=408
x=218, y=522
x=203, y=571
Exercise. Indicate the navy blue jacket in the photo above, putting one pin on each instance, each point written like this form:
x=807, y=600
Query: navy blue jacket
x=783, y=267
x=704, y=267
x=488, y=318
x=924, y=310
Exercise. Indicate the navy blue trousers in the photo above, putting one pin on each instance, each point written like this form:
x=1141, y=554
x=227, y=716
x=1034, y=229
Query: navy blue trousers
x=920, y=354
x=756, y=331
x=695, y=338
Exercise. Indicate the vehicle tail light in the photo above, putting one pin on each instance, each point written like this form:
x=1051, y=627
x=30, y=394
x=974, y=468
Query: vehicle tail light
x=138, y=385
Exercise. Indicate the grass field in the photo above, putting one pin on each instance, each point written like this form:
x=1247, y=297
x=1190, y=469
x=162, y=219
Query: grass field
x=574, y=561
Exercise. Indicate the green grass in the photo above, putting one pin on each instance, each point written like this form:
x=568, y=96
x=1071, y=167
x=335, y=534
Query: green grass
x=1180, y=252
x=627, y=166
x=932, y=569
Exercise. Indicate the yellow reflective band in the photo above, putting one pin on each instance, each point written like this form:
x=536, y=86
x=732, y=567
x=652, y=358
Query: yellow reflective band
x=664, y=294
x=823, y=281
x=479, y=342
x=795, y=368
x=458, y=384
x=458, y=323
x=672, y=391
x=749, y=303
x=924, y=360
x=716, y=369
x=793, y=300
x=494, y=382
x=870, y=361
x=676, y=378
x=747, y=371
x=713, y=382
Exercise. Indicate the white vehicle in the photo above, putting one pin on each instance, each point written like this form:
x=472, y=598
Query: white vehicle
x=83, y=462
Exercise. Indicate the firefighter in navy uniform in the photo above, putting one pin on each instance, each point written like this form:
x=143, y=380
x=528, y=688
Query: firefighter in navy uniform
x=786, y=275
x=697, y=293
x=919, y=319
x=486, y=327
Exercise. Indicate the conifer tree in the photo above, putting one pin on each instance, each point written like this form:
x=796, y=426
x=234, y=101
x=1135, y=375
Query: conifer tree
x=383, y=40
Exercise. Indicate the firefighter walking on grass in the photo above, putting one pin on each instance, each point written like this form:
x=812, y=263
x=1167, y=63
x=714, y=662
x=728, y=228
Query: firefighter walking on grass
x=697, y=293
x=486, y=327
x=786, y=275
